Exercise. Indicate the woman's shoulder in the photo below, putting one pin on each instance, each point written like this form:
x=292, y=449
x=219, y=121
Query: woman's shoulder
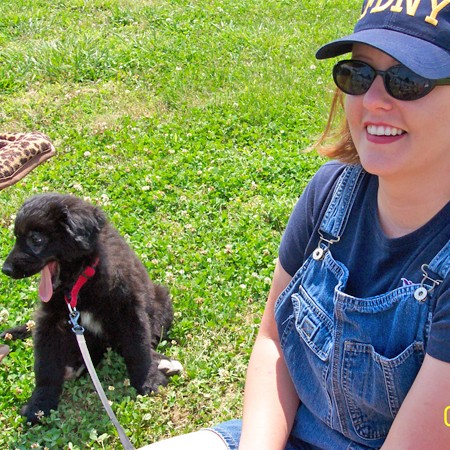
x=321, y=185
x=331, y=169
x=299, y=236
x=327, y=175
x=319, y=189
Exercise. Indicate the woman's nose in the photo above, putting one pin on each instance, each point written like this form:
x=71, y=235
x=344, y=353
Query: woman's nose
x=377, y=96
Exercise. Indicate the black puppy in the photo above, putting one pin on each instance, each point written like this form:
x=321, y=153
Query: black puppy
x=76, y=249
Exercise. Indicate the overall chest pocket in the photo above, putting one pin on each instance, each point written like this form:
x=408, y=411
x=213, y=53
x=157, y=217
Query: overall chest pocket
x=306, y=338
x=313, y=324
x=304, y=313
x=374, y=386
x=380, y=365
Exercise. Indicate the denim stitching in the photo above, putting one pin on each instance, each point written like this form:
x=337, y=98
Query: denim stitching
x=441, y=262
x=386, y=366
x=227, y=438
x=358, y=418
x=336, y=216
x=304, y=308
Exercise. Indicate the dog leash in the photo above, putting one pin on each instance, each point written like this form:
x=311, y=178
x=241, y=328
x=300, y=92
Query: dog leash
x=74, y=316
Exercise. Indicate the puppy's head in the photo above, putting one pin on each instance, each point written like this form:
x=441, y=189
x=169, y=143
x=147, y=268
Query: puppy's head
x=51, y=229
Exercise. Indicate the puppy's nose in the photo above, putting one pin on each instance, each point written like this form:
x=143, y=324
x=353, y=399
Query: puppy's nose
x=7, y=268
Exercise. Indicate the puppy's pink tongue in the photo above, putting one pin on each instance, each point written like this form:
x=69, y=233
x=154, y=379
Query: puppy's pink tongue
x=45, y=285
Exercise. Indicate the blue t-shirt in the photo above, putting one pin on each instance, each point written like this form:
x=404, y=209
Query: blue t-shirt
x=376, y=263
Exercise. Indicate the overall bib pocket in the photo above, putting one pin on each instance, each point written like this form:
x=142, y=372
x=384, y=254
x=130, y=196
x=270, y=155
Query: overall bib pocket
x=312, y=324
x=306, y=338
x=374, y=386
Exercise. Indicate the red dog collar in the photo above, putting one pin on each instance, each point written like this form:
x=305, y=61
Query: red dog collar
x=88, y=273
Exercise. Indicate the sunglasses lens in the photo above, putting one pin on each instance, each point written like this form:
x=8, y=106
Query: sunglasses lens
x=403, y=84
x=353, y=77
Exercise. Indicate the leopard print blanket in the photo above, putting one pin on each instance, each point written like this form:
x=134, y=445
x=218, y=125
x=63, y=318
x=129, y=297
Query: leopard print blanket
x=20, y=153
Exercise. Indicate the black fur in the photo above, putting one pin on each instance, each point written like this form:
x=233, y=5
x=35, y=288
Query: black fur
x=131, y=313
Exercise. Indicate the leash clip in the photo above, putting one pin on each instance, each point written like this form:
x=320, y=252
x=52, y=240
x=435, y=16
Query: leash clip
x=74, y=317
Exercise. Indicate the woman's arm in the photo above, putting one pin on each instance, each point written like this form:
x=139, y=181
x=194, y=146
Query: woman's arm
x=270, y=401
x=423, y=421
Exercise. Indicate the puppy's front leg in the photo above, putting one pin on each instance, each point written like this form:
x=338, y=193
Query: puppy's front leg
x=19, y=332
x=52, y=345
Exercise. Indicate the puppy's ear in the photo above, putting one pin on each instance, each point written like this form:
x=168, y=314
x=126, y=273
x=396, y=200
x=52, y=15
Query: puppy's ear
x=84, y=224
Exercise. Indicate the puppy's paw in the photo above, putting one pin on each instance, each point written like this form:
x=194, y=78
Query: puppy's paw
x=40, y=404
x=33, y=414
x=155, y=379
x=170, y=367
x=21, y=332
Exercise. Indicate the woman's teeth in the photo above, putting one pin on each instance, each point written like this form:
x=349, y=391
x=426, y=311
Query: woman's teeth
x=384, y=131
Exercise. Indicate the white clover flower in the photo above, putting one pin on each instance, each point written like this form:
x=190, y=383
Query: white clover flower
x=4, y=315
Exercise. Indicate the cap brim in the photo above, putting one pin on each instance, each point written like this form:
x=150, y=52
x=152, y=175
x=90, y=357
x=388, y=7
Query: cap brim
x=422, y=57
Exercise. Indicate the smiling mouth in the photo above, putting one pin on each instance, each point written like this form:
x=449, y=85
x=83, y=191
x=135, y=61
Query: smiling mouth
x=49, y=280
x=380, y=130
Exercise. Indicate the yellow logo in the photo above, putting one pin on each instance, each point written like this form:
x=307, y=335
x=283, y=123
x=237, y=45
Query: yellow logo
x=446, y=416
x=376, y=6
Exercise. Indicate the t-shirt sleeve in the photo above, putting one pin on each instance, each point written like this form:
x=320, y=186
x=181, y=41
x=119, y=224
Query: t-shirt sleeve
x=299, y=237
x=439, y=341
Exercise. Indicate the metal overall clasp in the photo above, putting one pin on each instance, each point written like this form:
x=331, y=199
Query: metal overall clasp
x=319, y=252
x=421, y=293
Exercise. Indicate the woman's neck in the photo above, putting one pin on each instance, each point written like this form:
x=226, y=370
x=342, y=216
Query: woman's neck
x=405, y=207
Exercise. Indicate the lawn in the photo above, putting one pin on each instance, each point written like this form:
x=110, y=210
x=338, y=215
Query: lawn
x=186, y=122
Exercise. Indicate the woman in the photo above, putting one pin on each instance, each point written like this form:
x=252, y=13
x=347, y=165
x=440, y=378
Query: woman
x=354, y=346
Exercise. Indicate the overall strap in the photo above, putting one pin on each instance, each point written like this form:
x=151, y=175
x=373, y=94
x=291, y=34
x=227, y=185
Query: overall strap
x=336, y=215
x=440, y=264
x=344, y=195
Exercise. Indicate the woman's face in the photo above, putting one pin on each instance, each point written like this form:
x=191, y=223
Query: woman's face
x=394, y=137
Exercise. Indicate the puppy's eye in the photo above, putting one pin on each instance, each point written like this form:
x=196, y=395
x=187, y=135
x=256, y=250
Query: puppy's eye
x=36, y=241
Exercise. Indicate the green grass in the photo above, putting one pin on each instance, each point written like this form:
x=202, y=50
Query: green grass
x=186, y=122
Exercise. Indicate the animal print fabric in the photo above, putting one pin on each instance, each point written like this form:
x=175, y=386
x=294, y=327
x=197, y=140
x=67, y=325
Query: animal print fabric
x=20, y=153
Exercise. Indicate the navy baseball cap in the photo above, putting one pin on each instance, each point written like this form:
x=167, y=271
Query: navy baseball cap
x=417, y=34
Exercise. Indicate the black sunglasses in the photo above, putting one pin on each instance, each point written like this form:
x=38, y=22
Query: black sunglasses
x=355, y=78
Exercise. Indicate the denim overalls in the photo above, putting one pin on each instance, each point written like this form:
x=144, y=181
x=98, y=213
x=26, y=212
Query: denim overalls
x=352, y=360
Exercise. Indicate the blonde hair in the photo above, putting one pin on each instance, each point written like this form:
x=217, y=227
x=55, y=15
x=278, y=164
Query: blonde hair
x=336, y=142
